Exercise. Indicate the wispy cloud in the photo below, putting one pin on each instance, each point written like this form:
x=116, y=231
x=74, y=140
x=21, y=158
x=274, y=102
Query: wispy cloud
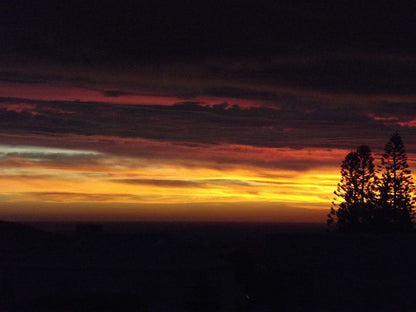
x=47, y=154
x=184, y=183
x=82, y=197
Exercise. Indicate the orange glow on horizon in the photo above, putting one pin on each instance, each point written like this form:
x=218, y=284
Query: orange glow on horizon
x=120, y=180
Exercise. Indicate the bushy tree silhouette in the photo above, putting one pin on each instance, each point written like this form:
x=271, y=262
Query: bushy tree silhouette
x=354, y=200
x=395, y=209
x=365, y=200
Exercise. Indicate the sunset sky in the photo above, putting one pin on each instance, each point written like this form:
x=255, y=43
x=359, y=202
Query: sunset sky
x=196, y=111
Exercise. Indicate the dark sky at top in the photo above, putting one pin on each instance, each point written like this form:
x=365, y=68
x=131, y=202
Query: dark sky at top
x=331, y=69
x=117, y=31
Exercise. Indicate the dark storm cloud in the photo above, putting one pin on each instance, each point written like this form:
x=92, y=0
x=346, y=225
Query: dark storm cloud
x=299, y=54
x=333, y=78
x=116, y=93
x=227, y=91
x=201, y=124
x=113, y=93
x=317, y=74
x=393, y=110
x=334, y=73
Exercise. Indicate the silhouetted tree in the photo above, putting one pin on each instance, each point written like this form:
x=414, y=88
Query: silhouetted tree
x=395, y=209
x=354, y=201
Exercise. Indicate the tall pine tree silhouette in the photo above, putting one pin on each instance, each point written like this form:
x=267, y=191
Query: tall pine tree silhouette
x=395, y=209
x=354, y=201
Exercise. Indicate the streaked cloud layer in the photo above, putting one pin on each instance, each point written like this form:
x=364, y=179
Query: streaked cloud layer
x=239, y=113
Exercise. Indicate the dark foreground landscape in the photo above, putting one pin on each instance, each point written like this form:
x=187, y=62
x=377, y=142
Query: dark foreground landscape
x=203, y=267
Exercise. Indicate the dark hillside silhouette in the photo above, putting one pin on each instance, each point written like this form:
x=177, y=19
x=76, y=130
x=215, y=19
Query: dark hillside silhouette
x=210, y=267
x=17, y=237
